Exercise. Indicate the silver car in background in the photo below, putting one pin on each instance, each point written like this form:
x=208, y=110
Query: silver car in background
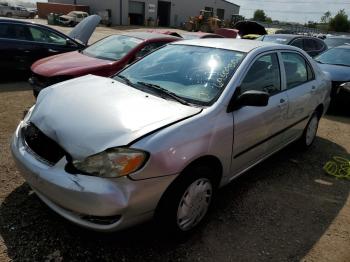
x=160, y=137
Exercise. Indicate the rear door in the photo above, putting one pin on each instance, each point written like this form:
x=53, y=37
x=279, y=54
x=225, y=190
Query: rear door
x=16, y=47
x=301, y=86
x=257, y=130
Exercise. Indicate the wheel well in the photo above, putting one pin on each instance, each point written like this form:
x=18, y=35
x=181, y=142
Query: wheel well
x=209, y=160
x=319, y=110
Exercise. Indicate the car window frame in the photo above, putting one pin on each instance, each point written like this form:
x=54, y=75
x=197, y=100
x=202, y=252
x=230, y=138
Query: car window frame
x=51, y=31
x=284, y=70
x=252, y=63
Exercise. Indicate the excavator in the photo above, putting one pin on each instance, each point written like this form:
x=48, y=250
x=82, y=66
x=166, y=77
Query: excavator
x=205, y=22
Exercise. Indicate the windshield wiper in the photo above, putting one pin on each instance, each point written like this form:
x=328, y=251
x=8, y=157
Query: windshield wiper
x=164, y=91
x=126, y=80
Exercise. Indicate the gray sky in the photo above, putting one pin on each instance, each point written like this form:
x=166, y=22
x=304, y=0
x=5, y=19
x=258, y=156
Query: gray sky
x=293, y=10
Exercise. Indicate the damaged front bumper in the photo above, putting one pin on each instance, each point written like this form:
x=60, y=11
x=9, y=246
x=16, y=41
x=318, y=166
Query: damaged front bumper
x=97, y=203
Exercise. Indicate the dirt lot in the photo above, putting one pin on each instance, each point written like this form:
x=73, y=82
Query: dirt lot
x=285, y=209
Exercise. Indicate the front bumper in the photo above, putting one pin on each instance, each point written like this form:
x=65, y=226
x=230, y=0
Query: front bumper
x=97, y=203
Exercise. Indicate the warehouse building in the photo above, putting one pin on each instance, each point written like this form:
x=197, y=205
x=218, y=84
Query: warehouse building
x=167, y=13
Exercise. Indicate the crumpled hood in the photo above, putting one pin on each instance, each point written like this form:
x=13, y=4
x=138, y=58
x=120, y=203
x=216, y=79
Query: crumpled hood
x=336, y=73
x=89, y=114
x=71, y=63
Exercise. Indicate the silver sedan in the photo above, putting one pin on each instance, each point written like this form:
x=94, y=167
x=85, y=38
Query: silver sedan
x=161, y=136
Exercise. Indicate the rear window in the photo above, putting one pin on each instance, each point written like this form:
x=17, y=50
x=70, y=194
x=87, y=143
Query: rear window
x=113, y=47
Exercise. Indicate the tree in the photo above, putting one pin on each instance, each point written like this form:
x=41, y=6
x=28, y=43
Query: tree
x=340, y=23
x=259, y=15
x=326, y=17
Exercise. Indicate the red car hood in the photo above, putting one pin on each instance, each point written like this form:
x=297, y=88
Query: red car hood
x=71, y=63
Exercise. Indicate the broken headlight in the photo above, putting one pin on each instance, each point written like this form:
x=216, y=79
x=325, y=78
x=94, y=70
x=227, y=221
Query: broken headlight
x=115, y=162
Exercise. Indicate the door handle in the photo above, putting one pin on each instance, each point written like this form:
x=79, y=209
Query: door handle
x=52, y=50
x=283, y=104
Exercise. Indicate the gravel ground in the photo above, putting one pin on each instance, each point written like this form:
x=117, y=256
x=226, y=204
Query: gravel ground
x=285, y=209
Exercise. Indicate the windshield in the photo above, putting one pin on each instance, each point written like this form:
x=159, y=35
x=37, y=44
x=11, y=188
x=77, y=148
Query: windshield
x=335, y=56
x=274, y=39
x=112, y=48
x=196, y=74
x=334, y=42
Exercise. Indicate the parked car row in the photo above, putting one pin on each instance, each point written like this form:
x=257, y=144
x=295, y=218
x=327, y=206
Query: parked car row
x=162, y=123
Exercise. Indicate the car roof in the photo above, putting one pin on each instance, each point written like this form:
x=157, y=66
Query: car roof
x=25, y=22
x=240, y=45
x=292, y=36
x=5, y=19
x=78, y=12
x=148, y=35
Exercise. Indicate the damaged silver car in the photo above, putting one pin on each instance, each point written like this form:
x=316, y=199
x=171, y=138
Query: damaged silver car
x=161, y=136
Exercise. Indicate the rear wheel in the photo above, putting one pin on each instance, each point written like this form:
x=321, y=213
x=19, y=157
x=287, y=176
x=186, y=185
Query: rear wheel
x=9, y=14
x=187, y=201
x=310, y=132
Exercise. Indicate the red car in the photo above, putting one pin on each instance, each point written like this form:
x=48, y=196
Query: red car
x=103, y=58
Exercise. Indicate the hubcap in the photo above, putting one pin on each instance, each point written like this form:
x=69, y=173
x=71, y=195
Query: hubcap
x=194, y=204
x=311, y=130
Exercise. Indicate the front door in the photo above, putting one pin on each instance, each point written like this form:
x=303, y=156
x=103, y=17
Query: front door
x=257, y=130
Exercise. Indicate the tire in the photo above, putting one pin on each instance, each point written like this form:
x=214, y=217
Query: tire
x=310, y=132
x=186, y=202
x=9, y=14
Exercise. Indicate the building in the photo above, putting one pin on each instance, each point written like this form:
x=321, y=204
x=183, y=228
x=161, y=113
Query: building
x=169, y=12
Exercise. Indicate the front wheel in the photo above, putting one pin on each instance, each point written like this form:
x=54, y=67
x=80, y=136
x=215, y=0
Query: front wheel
x=187, y=201
x=310, y=132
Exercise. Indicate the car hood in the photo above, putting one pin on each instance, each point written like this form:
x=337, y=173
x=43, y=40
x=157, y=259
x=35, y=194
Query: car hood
x=83, y=31
x=71, y=63
x=336, y=73
x=90, y=114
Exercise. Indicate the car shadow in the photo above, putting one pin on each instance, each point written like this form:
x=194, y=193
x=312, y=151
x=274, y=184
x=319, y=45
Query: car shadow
x=276, y=211
x=14, y=81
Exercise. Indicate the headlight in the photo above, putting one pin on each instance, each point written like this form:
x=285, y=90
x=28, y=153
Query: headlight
x=346, y=86
x=113, y=162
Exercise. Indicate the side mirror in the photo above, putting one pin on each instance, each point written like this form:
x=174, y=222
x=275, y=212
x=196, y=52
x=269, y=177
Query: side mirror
x=69, y=42
x=249, y=98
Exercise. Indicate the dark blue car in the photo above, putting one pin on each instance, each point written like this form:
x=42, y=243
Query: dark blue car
x=336, y=62
x=24, y=42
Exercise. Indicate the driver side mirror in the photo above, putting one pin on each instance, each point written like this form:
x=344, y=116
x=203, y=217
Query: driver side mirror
x=249, y=98
x=70, y=43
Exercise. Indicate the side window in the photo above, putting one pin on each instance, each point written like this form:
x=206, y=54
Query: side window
x=263, y=75
x=3, y=30
x=319, y=45
x=148, y=48
x=298, y=43
x=19, y=32
x=309, y=45
x=298, y=71
x=45, y=36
